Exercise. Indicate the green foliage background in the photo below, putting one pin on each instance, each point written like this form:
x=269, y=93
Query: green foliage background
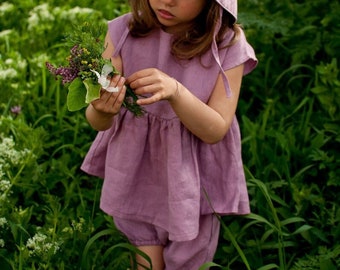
x=289, y=116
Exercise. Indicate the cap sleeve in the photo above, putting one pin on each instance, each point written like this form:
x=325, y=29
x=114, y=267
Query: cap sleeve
x=118, y=29
x=239, y=53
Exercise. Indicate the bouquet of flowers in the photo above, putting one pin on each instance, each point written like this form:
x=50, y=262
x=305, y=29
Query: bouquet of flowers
x=87, y=72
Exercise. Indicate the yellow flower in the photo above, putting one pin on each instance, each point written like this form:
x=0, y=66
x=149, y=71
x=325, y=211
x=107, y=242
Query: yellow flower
x=86, y=51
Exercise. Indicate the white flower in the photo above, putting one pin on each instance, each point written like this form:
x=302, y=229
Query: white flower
x=67, y=230
x=39, y=59
x=9, y=154
x=21, y=64
x=5, y=33
x=102, y=78
x=2, y=243
x=2, y=172
x=33, y=21
x=6, y=7
x=78, y=226
x=3, y=222
x=74, y=13
x=5, y=185
x=39, y=16
x=9, y=61
x=9, y=73
x=37, y=238
x=40, y=245
x=11, y=67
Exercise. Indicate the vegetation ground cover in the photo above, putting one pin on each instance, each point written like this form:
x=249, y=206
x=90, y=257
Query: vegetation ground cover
x=289, y=117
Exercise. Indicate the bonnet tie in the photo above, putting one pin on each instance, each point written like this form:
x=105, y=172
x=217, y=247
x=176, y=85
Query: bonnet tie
x=216, y=55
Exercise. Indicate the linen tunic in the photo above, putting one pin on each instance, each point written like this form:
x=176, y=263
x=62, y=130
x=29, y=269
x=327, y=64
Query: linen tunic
x=154, y=169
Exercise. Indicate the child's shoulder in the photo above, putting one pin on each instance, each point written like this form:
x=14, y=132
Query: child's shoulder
x=121, y=20
x=118, y=26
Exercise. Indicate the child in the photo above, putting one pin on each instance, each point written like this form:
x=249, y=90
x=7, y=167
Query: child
x=167, y=172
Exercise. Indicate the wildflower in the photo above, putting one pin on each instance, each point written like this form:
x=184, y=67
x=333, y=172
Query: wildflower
x=9, y=73
x=36, y=239
x=76, y=12
x=40, y=245
x=5, y=185
x=5, y=191
x=16, y=110
x=86, y=51
x=12, y=67
x=9, y=61
x=9, y=155
x=87, y=72
x=78, y=226
x=5, y=33
x=102, y=78
x=68, y=74
x=39, y=15
x=67, y=230
x=6, y=7
x=3, y=222
x=39, y=59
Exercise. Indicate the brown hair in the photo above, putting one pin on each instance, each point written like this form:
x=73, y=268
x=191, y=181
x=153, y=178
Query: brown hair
x=194, y=41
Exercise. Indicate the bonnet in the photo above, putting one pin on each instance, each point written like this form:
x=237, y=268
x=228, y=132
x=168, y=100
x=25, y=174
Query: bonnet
x=231, y=7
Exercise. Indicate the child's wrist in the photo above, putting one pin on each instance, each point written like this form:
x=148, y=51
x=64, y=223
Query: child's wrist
x=176, y=93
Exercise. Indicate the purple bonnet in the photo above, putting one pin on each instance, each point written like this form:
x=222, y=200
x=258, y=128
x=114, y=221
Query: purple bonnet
x=230, y=6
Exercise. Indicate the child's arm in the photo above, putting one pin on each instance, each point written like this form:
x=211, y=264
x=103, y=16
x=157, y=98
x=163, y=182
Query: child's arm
x=100, y=113
x=210, y=122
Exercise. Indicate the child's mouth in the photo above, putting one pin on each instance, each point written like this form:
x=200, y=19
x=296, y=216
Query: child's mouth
x=165, y=14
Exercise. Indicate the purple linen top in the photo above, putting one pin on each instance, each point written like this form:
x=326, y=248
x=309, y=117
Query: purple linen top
x=154, y=169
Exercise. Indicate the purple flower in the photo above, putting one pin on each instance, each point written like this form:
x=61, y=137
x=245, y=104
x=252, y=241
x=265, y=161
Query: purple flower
x=16, y=110
x=75, y=50
x=68, y=74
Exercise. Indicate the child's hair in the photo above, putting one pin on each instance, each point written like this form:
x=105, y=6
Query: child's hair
x=194, y=41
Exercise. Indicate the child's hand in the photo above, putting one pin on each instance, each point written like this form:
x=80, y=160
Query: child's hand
x=155, y=82
x=110, y=103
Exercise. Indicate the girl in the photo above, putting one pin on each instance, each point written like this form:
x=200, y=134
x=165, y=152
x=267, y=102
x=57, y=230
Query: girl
x=166, y=173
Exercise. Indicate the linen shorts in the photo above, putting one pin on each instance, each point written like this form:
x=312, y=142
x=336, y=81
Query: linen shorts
x=188, y=255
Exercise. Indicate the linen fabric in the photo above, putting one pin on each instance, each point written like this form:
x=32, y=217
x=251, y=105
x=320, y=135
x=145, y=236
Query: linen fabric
x=154, y=169
x=176, y=255
x=230, y=6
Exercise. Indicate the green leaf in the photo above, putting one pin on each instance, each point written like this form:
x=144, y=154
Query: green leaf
x=269, y=266
x=106, y=232
x=302, y=229
x=208, y=265
x=93, y=90
x=291, y=220
x=76, y=95
x=134, y=250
